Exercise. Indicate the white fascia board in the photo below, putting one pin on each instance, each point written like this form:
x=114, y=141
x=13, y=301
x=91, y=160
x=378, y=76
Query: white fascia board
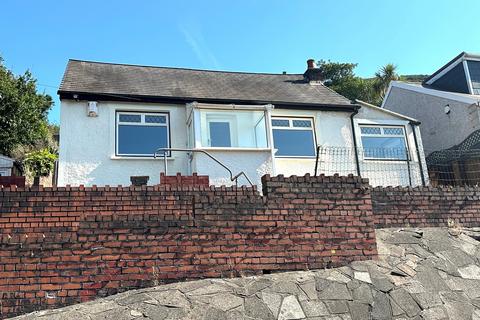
x=387, y=94
x=444, y=71
x=381, y=109
x=393, y=122
x=197, y=105
x=467, y=76
x=470, y=56
x=470, y=99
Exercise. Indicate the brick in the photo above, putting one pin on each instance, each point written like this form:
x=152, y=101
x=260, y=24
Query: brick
x=82, y=241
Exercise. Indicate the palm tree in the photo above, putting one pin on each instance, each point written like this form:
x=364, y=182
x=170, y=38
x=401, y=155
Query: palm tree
x=383, y=77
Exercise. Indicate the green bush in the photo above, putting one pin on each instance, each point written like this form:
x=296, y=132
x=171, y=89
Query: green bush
x=40, y=163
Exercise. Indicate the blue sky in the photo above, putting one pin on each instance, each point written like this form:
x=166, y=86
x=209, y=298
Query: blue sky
x=247, y=35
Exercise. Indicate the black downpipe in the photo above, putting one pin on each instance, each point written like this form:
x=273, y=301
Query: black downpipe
x=412, y=125
x=357, y=162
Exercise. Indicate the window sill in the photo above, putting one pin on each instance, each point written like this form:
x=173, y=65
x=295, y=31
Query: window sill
x=140, y=158
x=232, y=149
x=385, y=160
x=296, y=157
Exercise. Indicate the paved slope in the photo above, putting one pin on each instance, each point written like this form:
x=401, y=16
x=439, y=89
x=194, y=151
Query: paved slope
x=421, y=274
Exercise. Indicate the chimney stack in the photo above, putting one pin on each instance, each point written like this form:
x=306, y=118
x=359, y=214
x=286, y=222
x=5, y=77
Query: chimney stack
x=311, y=64
x=313, y=74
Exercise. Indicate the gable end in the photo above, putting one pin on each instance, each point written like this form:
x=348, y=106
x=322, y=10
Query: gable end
x=454, y=80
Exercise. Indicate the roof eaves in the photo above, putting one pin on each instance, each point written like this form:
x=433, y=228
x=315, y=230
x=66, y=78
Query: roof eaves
x=472, y=56
x=399, y=115
x=461, y=97
x=67, y=94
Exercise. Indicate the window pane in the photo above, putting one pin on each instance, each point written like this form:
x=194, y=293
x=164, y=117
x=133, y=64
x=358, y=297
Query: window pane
x=260, y=131
x=155, y=119
x=302, y=123
x=130, y=118
x=280, y=123
x=293, y=142
x=141, y=140
x=246, y=129
x=220, y=134
x=370, y=130
x=384, y=147
x=393, y=131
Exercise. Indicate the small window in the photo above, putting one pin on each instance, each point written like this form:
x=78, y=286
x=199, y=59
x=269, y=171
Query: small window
x=293, y=137
x=371, y=130
x=155, y=119
x=130, y=118
x=220, y=134
x=302, y=123
x=384, y=142
x=141, y=134
x=280, y=123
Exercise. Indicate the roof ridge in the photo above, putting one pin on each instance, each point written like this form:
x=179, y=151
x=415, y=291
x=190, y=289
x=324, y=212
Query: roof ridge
x=189, y=69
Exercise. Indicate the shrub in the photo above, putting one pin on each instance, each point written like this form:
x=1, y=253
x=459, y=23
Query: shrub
x=40, y=163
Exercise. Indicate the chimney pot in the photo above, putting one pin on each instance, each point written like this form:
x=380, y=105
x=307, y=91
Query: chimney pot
x=311, y=64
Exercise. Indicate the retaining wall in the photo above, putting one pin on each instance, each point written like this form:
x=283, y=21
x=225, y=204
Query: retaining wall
x=61, y=246
x=426, y=206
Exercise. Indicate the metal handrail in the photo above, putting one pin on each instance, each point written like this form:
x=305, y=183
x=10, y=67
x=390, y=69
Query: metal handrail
x=232, y=177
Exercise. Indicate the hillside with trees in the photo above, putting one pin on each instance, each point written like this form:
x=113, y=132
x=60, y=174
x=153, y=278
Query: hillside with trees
x=341, y=77
x=25, y=134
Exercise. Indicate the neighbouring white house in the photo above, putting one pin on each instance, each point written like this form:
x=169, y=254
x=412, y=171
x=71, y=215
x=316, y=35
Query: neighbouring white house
x=115, y=116
x=448, y=105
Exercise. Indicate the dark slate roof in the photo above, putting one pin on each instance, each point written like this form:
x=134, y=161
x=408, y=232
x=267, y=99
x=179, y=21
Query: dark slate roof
x=118, y=80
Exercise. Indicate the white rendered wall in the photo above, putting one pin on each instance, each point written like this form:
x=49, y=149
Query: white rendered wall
x=87, y=145
x=333, y=129
x=87, y=148
x=440, y=131
x=254, y=163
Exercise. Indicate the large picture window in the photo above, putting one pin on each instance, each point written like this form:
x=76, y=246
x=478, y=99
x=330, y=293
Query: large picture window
x=293, y=137
x=141, y=134
x=382, y=142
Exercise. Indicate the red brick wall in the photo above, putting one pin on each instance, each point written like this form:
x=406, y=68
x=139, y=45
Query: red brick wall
x=179, y=180
x=65, y=245
x=8, y=181
x=426, y=206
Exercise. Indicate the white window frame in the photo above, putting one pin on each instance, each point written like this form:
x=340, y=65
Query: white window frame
x=4, y=172
x=232, y=126
x=141, y=123
x=291, y=127
x=383, y=135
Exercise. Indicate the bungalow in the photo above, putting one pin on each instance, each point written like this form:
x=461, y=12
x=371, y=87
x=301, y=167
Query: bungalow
x=114, y=117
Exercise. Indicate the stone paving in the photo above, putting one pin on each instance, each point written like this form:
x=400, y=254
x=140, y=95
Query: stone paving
x=431, y=273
